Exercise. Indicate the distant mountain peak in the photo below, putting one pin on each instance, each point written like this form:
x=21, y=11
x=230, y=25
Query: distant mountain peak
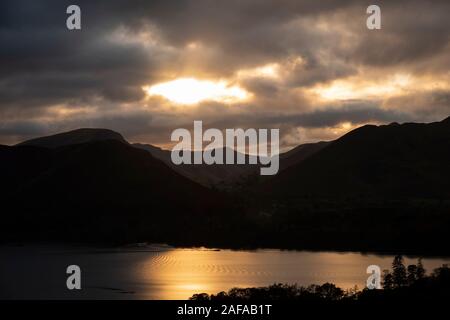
x=77, y=136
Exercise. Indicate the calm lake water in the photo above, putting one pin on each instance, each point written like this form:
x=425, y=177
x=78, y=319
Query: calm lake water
x=158, y=272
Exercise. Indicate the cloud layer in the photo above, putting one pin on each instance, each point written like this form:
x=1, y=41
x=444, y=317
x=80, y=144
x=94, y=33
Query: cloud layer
x=312, y=68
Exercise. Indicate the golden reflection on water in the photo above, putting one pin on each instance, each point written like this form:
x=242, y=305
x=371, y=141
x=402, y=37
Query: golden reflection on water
x=180, y=273
x=158, y=272
x=183, y=272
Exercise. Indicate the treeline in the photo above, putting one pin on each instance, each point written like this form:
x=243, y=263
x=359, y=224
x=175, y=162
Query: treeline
x=402, y=284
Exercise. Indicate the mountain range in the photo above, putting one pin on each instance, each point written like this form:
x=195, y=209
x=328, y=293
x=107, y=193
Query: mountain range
x=388, y=186
x=407, y=160
x=101, y=188
x=219, y=176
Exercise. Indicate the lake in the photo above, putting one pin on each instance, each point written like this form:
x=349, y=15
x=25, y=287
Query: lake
x=162, y=272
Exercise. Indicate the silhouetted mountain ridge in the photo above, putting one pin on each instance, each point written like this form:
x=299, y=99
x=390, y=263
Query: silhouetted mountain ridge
x=215, y=175
x=220, y=176
x=386, y=186
x=77, y=136
x=100, y=190
x=410, y=159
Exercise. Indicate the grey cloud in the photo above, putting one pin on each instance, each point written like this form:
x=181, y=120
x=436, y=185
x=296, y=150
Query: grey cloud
x=43, y=64
x=357, y=112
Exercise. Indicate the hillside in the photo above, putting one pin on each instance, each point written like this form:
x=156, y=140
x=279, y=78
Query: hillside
x=74, y=137
x=102, y=191
x=407, y=160
x=380, y=188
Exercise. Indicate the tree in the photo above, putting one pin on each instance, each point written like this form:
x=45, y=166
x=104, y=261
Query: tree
x=420, y=269
x=412, y=274
x=327, y=291
x=352, y=293
x=200, y=297
x=398, y=272
x=388, y=283
x=442, y=274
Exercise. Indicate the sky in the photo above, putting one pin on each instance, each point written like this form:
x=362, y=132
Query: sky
x=145, y=68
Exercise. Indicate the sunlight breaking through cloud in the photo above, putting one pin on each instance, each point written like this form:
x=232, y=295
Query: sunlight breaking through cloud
x=192, y=91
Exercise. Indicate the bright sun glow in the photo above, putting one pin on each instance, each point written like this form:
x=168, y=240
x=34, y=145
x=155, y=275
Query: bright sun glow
x=271, y=70
x=192, y=91
x=353, y=89
x=396, y=85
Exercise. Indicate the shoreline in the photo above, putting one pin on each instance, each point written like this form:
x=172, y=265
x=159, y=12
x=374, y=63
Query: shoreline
x=153, y=247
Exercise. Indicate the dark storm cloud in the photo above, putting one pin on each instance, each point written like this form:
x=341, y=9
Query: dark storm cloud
x=354, y=112
x=46, y=64
x=124, y=45
x=414, y=31
x=129, y=124
x=357, y=112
